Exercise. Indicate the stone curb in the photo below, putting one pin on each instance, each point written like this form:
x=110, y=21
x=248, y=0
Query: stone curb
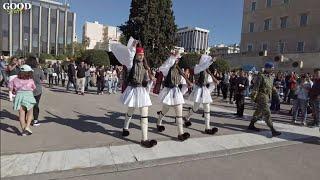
x=158, y=162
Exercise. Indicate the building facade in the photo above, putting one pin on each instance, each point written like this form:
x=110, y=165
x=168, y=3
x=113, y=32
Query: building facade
x=281, y=26
x=100, y=36
x=223, y=50
x=47, y=27
x=193, y=39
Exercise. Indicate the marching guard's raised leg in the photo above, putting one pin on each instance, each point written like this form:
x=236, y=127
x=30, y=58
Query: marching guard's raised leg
x=192, y=110
x=161, y=114
x=127, y=121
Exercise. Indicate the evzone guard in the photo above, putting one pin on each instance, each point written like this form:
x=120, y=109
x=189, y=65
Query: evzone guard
x=171, y=96
x=139, y=81
x=201, y=94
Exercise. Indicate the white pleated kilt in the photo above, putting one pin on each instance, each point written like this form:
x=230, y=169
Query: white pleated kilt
x=201, y=95
x=136, y=97
x=171, y=96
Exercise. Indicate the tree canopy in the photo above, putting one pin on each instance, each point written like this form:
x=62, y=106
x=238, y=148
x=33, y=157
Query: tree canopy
x=153, y=23
x=96, y=57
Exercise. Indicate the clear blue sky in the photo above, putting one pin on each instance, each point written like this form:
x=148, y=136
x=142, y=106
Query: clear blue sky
x=222, y=17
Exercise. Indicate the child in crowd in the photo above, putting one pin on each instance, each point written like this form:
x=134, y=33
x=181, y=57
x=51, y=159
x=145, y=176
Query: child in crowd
x=24, y=101
x=275, y=98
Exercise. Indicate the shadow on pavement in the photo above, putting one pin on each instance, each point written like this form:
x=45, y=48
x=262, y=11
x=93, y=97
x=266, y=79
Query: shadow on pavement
x=87, y=123
x=5, y=114
x=10, y=129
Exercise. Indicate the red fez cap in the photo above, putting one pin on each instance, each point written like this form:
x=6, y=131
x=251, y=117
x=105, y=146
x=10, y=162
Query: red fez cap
x=139, y=50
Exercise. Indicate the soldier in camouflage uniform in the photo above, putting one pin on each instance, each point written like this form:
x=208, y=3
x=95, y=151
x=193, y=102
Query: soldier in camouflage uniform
x=261, y=94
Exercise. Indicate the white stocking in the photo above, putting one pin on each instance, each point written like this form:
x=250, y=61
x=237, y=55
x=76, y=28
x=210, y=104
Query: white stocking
x=178, y=110
x=163, y=112
x=193, y=110
x=128, y=117
x=144, y=123
x=206, y=111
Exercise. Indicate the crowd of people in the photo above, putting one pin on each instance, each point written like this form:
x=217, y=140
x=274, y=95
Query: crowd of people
x=25, y=78
x=82, y=76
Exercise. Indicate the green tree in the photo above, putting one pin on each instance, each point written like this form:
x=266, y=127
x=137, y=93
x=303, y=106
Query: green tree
x=123, y=39
x=94, y=56
x=74, y=50
x=213, y=51
x=189, y=60
x=152, y=22
x=221, y=65
x=61, y=57
x=44, y=56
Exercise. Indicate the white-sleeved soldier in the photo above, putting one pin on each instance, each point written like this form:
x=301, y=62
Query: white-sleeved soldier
x=171, y=96
x=139, y=82
x=201, y=94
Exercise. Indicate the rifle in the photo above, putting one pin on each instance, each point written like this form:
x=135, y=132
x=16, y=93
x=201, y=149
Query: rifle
x=147, y=67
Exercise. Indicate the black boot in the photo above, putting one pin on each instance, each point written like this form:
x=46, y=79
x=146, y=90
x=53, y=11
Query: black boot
x=252, y=127
x=160, y=128
x=211, y=131
x=125, y=133
x=148, y=143
x=184, y=136
x=275, y=133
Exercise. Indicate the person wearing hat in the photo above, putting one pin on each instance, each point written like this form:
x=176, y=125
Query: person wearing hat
x=261, y=94
x=175, y=85
x=139, y=82
x=23, y=86
x=201, y=94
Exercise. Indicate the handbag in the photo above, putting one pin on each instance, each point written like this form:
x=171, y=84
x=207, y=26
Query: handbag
x=54, y=74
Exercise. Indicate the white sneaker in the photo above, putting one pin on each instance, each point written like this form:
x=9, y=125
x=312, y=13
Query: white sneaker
x=35, y=123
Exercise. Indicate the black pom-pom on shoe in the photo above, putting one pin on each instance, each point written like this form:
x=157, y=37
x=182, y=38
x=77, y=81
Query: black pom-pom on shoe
x=125, y=133
x=160, y=128
x=211, y=131
x=153, y=142
x=148, y=143
x=187, y=123
x=184, y=136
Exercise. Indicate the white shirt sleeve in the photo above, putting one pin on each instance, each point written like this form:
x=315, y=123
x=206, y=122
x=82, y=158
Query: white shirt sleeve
x=124, y=54
x=164, y=68
x=205, y=61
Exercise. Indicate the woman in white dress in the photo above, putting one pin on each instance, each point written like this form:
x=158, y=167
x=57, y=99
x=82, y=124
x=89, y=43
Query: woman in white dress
x=201, y=94
x=175, y=85
x=139, y=81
